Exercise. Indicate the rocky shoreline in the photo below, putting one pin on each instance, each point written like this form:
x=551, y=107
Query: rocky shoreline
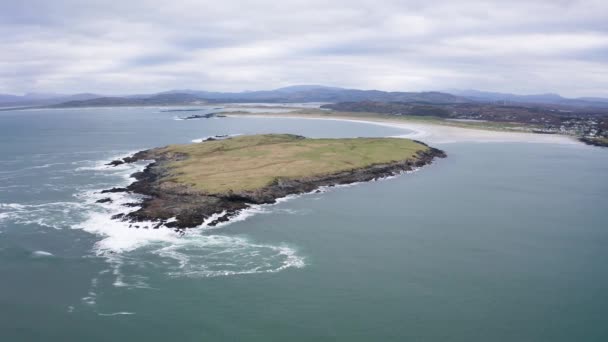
x=179, y=206
x=594, y=142
x=203, y=116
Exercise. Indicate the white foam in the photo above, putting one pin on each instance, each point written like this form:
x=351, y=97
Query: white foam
x=42, y=254
x=193, y=253
x=127, y=249
x=15, y=206
x=116, y=313
x=25, y=169
x=219, y=255
x=89, y=300
x=46, y=165
x=118, y=237
x=102, y=165
x=57, y=215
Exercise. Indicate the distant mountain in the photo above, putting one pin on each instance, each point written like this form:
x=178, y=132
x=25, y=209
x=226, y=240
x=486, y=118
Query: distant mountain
x=154, y=100
x=300, y=93
x=7, y=98
x=555, y=99
x=4, y=98
x=299, y=88
x=40, y=99
x=594, y=99
x=293, y=94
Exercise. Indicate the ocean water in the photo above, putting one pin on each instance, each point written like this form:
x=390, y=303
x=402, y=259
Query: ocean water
x=498, y=242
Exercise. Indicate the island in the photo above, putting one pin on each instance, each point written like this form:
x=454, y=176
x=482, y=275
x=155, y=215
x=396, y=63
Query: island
x=210, y=182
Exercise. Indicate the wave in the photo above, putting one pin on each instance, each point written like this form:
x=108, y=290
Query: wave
x=191, y=253
x=127, y=246
x=197, y=252
x=116, y=313
x=44, y=166
x=102, y=165
x=56, y=215
x=219, y=255
x=133, y=250
x=42, y=254
x=35, y=167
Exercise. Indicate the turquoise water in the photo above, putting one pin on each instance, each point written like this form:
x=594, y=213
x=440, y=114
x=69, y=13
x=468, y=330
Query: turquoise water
x=498, y=242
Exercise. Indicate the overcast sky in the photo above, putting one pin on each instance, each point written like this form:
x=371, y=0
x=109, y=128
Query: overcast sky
x=136, y=46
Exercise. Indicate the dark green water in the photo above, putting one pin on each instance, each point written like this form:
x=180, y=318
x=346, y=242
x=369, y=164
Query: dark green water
x=498, y=242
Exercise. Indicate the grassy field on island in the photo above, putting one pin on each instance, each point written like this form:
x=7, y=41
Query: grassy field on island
x=251, y=162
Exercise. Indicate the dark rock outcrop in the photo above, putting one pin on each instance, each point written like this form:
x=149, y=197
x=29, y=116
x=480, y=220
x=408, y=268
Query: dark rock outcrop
x=201, y=116
x=113, y=190
x=115, y=163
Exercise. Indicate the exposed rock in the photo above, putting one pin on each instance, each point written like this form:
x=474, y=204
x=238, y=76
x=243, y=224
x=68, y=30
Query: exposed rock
x=115, y=163
x=114, y=190
x=594, y=141
x=118, y=216
x=104, y=200
x=201, y=116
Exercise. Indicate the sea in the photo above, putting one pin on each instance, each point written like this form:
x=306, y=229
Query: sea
x=497, y=242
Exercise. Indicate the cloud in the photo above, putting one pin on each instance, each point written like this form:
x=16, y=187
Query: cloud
x=145, y=46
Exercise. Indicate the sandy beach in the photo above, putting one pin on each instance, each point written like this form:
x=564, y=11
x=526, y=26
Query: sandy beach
x=435, y=133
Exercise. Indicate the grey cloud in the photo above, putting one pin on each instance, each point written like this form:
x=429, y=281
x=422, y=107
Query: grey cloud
x=140, y=46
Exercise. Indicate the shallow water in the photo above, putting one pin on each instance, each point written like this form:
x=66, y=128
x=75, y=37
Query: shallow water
x=497, y=242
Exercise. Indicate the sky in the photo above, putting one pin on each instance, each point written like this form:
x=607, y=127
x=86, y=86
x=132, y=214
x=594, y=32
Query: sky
x=136, y=46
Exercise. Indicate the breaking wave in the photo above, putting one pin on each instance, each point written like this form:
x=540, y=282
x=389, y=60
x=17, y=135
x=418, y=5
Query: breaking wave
x=129, y=247
x=135, y=251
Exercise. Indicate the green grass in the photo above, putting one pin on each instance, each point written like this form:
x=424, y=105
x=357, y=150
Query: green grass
x=251, y=162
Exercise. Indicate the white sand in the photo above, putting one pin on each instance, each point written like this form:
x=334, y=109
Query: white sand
x=442, y=134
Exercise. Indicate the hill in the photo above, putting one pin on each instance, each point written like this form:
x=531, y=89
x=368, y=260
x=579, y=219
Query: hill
x=293, y=94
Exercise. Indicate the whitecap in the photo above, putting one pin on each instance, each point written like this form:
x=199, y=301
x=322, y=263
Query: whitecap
x=89, y=300
x=205, y=256
x=102, y=165
x=191, y=254
x=46, y=165
x=116, y=313
x=57, y=215
x=41, y=254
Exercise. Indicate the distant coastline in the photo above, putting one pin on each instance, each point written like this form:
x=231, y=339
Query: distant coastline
x=430, y=130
